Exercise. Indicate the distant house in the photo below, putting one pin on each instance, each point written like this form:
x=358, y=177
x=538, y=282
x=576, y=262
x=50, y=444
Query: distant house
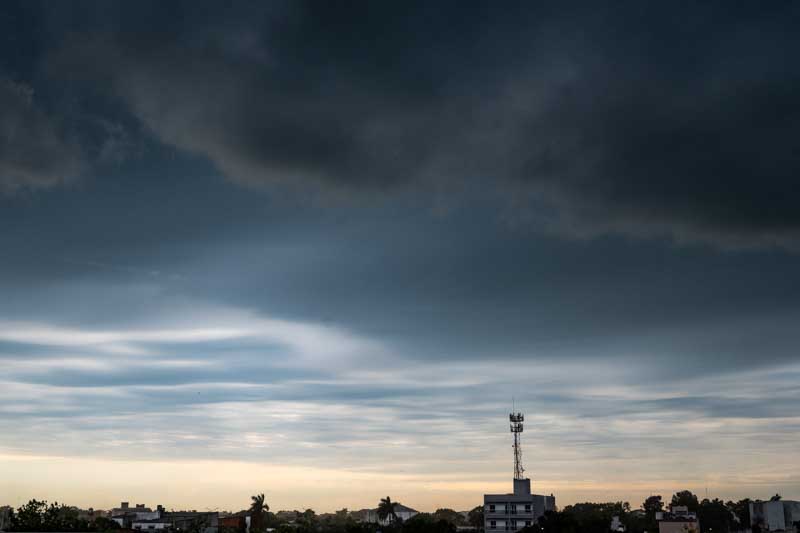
x=238, y=522
x=125, y=515
x=142, y=518
x=402, y=512
x=186, y=520
x=151, y=525
x=140, y=510
x=127, y=519
x=90, y=515
x=677, y=520
x=286, y=516
x=780, y=515
x=360, y=516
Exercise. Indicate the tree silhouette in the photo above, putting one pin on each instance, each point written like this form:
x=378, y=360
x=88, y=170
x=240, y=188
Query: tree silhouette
x=258, y=511
x=386, y=510
x=476, y=518
x=652, y=505
x=687, y=498
x=742, y=511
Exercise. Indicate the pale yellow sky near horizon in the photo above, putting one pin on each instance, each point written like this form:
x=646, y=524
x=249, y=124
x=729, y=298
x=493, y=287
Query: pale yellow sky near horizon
x=227, y=485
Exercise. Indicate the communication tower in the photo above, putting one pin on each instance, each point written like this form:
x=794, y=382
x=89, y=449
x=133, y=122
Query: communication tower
x=516, y=420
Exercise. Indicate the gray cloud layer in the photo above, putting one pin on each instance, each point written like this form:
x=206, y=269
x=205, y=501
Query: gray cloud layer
x=33, y=152
x=644, y=121
x=222, y=372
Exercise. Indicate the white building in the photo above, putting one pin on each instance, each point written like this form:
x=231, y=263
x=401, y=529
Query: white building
x=403, y=513
x=678, y=520
x=779, y=515
x=676, y=511
x=125, y=515
x=511, y=512
x=521, y=508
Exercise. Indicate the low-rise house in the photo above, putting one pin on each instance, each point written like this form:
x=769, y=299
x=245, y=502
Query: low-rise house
x=402, y=512
x=125, y=515
x=89, y=514
x=204, y=521
x=360, y=516
x=235, y=523
x=677, y=520
x=286, y=516
x=151, y=525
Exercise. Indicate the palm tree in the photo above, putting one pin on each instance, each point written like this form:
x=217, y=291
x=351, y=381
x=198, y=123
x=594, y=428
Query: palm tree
x=386, y=510
x=257, y=510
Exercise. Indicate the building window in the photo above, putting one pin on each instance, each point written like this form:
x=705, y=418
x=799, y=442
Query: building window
x=493, y=524
x=491, y=508
x=513, y=507
x=527, y=523
x=527, y=508
x=513, y=524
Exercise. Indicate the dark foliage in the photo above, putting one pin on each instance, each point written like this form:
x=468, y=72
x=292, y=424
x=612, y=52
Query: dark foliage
x=687, y=498
x=427, y=523
x=39, y=516
x=714, y=515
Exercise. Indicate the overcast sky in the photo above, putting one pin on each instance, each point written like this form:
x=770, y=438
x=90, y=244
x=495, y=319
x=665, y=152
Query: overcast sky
x=315, y=249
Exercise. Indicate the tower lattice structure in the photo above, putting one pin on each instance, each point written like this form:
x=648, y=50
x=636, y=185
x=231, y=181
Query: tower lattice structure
x=516, y=420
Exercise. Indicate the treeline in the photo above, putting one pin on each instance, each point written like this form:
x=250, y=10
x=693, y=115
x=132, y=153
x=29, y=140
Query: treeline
x=713, y=515
x=343, y=521
x=40, y=516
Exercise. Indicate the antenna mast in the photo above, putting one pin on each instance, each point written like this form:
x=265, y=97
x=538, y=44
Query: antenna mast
x=516, y=420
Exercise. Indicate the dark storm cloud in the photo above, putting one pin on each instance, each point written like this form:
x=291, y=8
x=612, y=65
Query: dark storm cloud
x=33, y=152
x=679, y=121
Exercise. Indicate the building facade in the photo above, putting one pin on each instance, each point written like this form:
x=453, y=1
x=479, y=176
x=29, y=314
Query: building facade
x=514, y=511
x=677, y=520
x=5, y=517
x=125, y=515
x=780, y=515
x=151, y=525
